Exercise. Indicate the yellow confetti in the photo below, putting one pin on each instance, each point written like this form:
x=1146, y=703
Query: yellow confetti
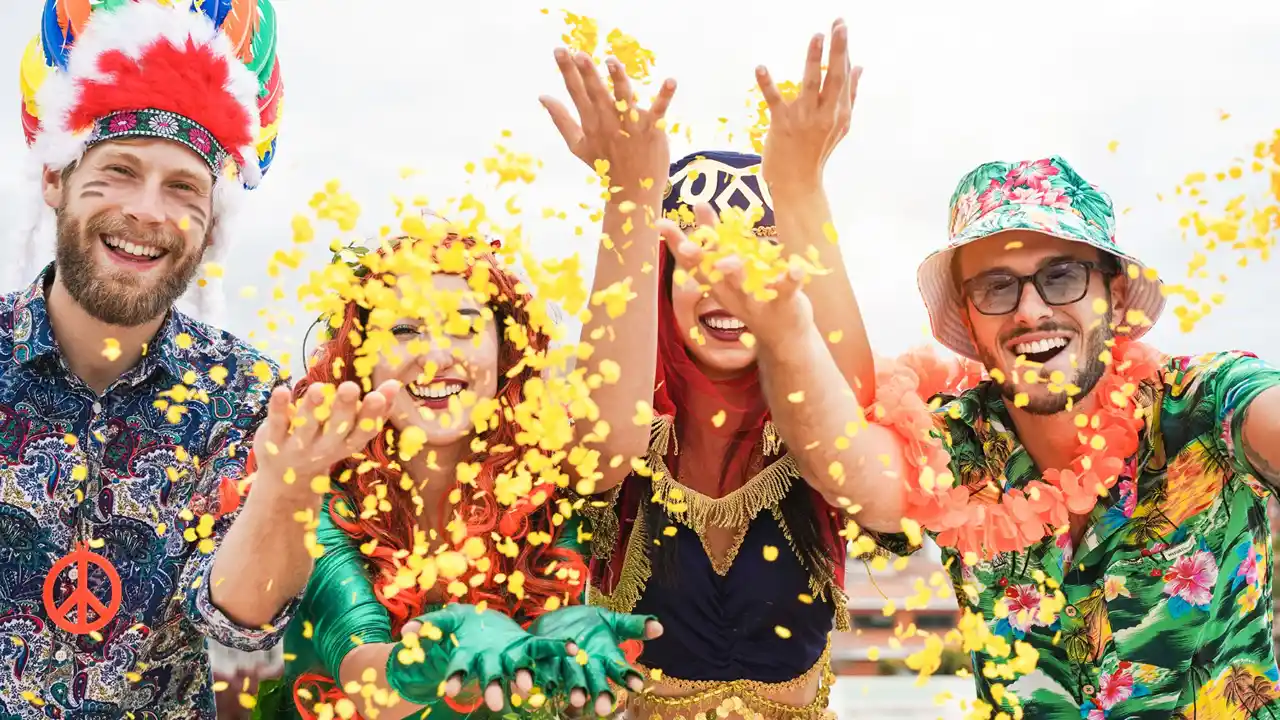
x=770, y=553
x=111, y=349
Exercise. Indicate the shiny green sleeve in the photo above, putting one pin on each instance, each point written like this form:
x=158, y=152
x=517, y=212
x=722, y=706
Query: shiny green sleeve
x=570, y=539
x=340, y=601
x=569, y=536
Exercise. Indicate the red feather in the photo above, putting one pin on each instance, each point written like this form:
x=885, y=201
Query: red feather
x=190, y=82
x=30, y=123
x=269, y=104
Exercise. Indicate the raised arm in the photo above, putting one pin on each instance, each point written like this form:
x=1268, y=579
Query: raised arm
x=290, y=449
x=809, y=400
x=802, y=135
x=628, y=145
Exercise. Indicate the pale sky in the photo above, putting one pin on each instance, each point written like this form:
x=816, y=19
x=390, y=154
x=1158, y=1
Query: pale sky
x=947, y=85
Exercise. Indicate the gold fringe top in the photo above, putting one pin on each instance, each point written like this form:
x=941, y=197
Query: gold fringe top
x=696, y=511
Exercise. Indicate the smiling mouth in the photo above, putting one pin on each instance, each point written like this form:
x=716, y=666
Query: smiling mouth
x=1041, y=351
x=437, y=394
x=130, y=251
x=722, y=326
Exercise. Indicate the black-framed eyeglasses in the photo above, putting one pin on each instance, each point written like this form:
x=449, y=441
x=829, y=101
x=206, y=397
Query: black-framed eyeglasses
x=1059, y=283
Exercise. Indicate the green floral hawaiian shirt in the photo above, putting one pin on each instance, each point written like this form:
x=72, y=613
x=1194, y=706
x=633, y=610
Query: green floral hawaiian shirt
x=1167, y=601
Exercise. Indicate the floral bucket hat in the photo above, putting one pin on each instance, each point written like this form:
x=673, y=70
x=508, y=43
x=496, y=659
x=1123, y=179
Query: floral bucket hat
x=1045, y=196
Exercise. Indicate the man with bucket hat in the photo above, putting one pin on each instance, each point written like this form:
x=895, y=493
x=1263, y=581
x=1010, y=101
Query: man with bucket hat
x=1100, y=505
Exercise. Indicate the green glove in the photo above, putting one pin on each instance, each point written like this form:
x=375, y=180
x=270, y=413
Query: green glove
x=487, y=647
x=597, y=632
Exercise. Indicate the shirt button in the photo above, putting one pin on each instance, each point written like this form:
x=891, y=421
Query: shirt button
x=1089, y=690
x=1070, y=611
x=61, y=655
x=97, y=408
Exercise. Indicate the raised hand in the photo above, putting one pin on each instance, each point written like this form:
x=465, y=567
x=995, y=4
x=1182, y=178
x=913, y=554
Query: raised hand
x=486, y=647
x=596, y=632
x=768, y=319
x=298, y=443
x=804, y=132
x=612, y=126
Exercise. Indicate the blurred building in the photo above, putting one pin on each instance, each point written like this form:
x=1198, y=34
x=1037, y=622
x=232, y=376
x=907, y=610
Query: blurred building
x=869, y=591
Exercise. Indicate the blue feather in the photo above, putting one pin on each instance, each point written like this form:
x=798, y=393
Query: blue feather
x=216, y=10
x=56, y=43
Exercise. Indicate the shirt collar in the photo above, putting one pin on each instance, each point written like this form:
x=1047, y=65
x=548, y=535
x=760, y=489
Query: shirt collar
x=33, y=334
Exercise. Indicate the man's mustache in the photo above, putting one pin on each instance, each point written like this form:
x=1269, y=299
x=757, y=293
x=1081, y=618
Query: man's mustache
x=115, y=224
x=1022, y=332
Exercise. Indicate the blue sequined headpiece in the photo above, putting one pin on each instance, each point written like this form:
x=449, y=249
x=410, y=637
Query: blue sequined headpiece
x=723, y=179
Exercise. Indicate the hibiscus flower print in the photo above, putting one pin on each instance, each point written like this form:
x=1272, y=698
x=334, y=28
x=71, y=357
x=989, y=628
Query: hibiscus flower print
x=1189, y=582
x=1055, y=198
x=1252, y=568
x=200, y=139
x=1115, y=587
x=1036, y=174
x=123, y=123
x=1128, y=496
x=1026, y=196
x=1023, y=605
x=1114, y=688
x=993, y=197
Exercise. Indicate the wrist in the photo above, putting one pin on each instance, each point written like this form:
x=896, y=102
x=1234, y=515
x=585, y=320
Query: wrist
x=632, y=190
x=271, y=496
x=784, y=322
x=785, y=186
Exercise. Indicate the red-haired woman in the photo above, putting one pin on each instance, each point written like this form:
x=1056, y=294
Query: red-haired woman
x=734, y=536
x=428, y=582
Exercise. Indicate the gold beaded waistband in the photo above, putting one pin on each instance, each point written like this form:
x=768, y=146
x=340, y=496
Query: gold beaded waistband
x=745, y=697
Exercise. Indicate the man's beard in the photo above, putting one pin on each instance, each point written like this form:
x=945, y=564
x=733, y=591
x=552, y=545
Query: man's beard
x=1089, y=371
x=117, y=296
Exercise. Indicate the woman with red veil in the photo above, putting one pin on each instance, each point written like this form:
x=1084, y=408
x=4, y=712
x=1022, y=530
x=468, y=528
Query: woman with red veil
x=723, y=510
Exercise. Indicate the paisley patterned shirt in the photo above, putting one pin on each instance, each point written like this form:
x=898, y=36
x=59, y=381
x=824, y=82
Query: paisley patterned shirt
x=1164, y=609
x=145, y=475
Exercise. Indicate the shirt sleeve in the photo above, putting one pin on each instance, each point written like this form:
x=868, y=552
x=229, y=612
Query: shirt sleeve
x=223, y=469
x=340, y=599
x=1219, y=389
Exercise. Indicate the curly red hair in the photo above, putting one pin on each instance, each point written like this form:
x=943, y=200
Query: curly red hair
x=333, y=363
x=480, y=511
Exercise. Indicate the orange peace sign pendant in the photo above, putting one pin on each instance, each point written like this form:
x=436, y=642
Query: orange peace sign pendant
x=82, y=600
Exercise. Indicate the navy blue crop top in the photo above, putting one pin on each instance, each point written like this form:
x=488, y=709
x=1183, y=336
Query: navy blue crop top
x=725, y=628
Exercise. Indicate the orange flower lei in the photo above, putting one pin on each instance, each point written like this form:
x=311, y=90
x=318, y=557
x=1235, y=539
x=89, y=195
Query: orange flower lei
x=986, y=524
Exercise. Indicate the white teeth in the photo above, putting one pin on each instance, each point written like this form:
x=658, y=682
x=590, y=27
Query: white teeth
x=721, y=322
x=131, y=249
x=436, y=390
x=1040, y=346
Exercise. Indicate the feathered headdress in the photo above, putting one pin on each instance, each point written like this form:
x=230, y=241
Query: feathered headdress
x=202, y=73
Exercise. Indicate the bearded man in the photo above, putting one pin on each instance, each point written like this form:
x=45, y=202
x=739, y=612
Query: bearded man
x=125, y=423
x=1102, y=506
x=1109, y=510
